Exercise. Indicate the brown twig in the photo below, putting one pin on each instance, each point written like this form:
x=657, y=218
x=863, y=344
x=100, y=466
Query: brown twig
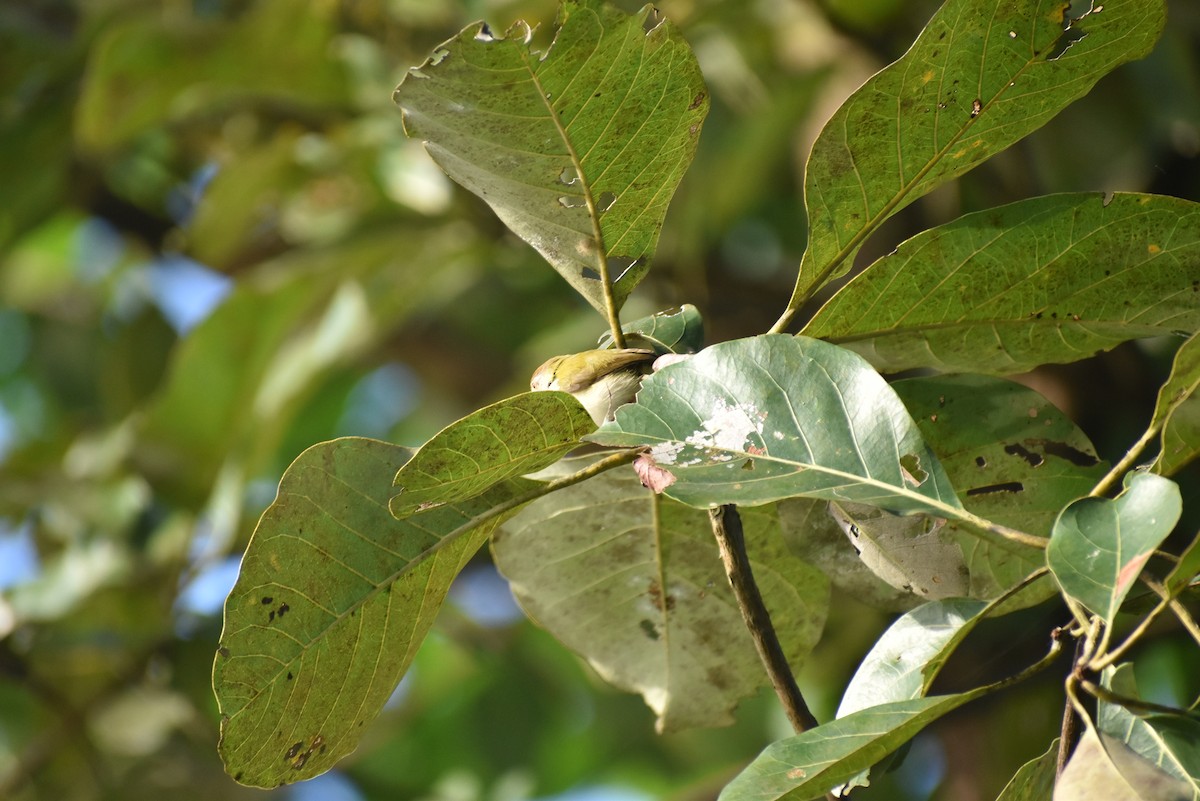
x=727, y=528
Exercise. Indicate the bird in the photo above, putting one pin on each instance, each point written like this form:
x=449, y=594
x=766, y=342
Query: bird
x=601, y=380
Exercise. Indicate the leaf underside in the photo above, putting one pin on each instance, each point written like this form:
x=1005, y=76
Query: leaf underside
x=980, y=77
x=1050, y=279
x=579, y=149
x=333, y=599
x=633, y=584
x=756, y=420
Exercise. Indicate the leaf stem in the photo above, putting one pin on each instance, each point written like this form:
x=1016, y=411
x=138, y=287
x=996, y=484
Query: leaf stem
x=1104, y=659
x=1004, y=532
x=1181, y=612
x=727, y=528
x=1105, y=694
x=610, y=299
x=1120, y=468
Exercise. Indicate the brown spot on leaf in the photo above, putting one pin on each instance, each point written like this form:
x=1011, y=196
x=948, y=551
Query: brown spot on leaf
x=696, y=101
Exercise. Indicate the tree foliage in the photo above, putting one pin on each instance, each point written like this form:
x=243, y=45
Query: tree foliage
x=860, y=399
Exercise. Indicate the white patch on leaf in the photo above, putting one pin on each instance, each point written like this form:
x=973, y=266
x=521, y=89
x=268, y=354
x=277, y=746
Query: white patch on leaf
x=729, y=427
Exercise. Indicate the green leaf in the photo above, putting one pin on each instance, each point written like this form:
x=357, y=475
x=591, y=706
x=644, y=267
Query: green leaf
x=579, y=149
x=898, y=665
x=678, y=330
x=905, y=660
x=1170, y=741
x=1051, y=279
x=810, y=764
x=333, y=599
x=632, y=583
x=1186, y=569
x=510, y=438
x=1035, y=779
x=1099, y=546
x=755, y=420
x=1104, y=767
x=1014, y=458
x=1178, y=407
x=981, y=76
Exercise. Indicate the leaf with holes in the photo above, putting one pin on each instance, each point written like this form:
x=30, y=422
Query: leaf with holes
x=1099, y=546
x=981, y=76
x=756, y=420
x=510, y=438
x=1051, y=279
x=578, y=149
x=333, y=599
x=1178, y=410
x=632, y=583
x=1015, y=460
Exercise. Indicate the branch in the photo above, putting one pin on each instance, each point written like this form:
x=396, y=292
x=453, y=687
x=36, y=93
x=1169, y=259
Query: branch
x=727, y=528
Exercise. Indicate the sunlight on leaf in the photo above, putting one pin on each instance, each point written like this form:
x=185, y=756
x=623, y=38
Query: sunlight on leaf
x=1051, y=279
x=755, y=420
x=510, y=438
x=981, y=76
x=578, y=149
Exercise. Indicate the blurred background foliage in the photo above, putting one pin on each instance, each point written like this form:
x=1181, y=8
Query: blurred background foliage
x=217, y=248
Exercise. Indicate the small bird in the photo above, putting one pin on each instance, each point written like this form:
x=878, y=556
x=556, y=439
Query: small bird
x=601, y=380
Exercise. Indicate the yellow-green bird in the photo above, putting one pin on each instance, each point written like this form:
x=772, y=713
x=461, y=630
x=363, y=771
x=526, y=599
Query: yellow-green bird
x=601, y=380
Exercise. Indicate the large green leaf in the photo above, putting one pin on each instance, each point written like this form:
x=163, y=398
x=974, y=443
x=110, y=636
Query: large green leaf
x=755, y=420
x=1052, y=279
x=510, y=438
x=1014, y=458
x=333, y=599
x=1170, y=741
x=981, y=76
x=632, y=583
x=578, y=149
x=897, y=667
x=810, y=764
x=905, y=660
x=1099, y=546
x=1178, y=408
